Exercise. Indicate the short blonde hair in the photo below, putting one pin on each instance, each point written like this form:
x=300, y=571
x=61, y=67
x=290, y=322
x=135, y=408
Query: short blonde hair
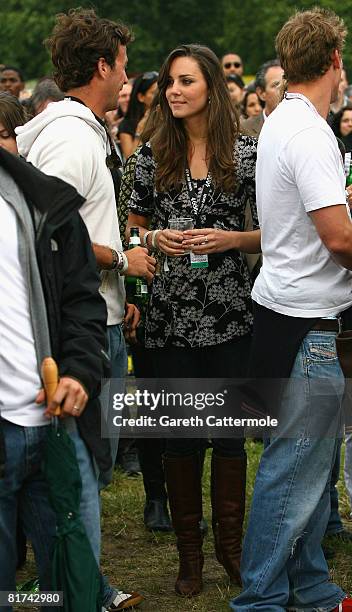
x=306, y=42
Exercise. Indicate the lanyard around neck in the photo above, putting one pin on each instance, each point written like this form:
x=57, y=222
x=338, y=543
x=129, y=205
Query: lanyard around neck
x=196, y=198
x=298, y=96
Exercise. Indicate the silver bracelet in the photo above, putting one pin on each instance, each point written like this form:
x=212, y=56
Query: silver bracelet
x=154, y=234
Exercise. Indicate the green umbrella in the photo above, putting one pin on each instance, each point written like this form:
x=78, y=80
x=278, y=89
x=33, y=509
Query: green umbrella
x=75, y=570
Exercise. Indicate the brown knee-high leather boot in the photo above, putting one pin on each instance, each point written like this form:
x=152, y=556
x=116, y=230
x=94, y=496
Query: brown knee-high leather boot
x=228, y=493
x=183, y=481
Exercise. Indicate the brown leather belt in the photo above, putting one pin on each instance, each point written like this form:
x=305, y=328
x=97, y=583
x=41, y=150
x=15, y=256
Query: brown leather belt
x=326, y=325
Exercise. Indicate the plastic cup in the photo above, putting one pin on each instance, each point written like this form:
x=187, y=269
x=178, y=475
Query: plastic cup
x=181, y=224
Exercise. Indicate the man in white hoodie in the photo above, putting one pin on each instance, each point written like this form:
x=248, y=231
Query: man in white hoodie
x=69, y=140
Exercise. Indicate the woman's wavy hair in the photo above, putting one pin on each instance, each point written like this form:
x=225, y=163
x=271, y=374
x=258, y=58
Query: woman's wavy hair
x=78, y=40
x=170, y=141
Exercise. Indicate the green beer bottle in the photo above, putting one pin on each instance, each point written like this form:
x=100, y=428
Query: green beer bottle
x=136, y=288
x=349, y=168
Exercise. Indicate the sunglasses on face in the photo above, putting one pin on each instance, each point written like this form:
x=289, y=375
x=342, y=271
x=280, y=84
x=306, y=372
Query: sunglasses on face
x=235, y=64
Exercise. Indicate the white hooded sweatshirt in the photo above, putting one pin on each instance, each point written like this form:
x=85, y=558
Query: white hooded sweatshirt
x=67, y=141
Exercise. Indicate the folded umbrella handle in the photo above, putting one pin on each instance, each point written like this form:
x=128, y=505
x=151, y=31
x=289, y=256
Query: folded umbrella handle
x=50, y=377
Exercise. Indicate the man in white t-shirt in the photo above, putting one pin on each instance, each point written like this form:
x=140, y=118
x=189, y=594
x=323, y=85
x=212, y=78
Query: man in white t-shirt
x=69, y=140
x=303, y=286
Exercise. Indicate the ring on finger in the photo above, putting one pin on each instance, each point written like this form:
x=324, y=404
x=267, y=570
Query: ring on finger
x=76, y=409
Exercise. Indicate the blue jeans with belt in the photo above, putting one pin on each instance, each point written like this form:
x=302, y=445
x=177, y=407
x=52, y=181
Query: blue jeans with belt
x=283, y=565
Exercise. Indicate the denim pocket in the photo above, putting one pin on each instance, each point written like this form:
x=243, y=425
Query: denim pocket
x=322, y=351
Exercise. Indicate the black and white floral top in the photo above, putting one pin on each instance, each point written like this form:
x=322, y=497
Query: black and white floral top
x=205, y=306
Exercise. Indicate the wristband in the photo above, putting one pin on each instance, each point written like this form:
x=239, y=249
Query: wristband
x=115, y=260
x=145, y=237
x=120, y=262
x=125, y=263
x=154, y=234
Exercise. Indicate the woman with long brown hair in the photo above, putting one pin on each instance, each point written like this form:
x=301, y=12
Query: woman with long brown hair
x=199, y=319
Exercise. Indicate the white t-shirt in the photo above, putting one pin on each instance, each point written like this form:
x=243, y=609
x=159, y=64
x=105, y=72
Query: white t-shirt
x=19, y=377
x=67, y=141
x=299, y=170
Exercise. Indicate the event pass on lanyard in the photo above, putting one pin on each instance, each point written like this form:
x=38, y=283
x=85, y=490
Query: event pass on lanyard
x=198, y=261
x=197, y=203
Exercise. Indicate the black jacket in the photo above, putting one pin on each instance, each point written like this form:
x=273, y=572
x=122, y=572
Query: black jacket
x=76, y=311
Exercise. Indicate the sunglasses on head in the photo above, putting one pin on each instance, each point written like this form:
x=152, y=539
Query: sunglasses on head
x=150, y=75
x=235, y=64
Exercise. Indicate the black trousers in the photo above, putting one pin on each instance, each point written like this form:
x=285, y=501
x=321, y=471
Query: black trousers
x=150, y=450
x=229, y=360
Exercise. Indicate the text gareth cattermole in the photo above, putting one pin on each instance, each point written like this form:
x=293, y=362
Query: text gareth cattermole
x=145, y=398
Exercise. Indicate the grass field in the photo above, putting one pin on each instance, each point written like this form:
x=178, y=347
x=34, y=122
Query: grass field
x=133, y=558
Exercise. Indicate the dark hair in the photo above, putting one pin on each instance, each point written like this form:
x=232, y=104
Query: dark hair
x=306, y=42
x=235, y=78
x=153, y=119
x=336, y=120
x=261, y=74
x=170, y=142
x=12, y=113
x=250, y=90
x=231, y=53
x=78, y=40
x=136, y=109
x=19, y=72
x=45, y=89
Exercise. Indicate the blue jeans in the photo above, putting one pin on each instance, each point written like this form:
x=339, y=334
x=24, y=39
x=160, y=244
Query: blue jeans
x=118, y=355
x=283, y=565
x=89, y=508
x=335, y=524
x=24, y=493
x=348, y=467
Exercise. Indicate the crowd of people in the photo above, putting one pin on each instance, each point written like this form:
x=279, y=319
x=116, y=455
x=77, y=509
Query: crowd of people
x=256, y=287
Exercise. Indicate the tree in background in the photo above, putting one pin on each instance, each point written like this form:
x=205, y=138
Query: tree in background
x=250, y=28
x=247, y=27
